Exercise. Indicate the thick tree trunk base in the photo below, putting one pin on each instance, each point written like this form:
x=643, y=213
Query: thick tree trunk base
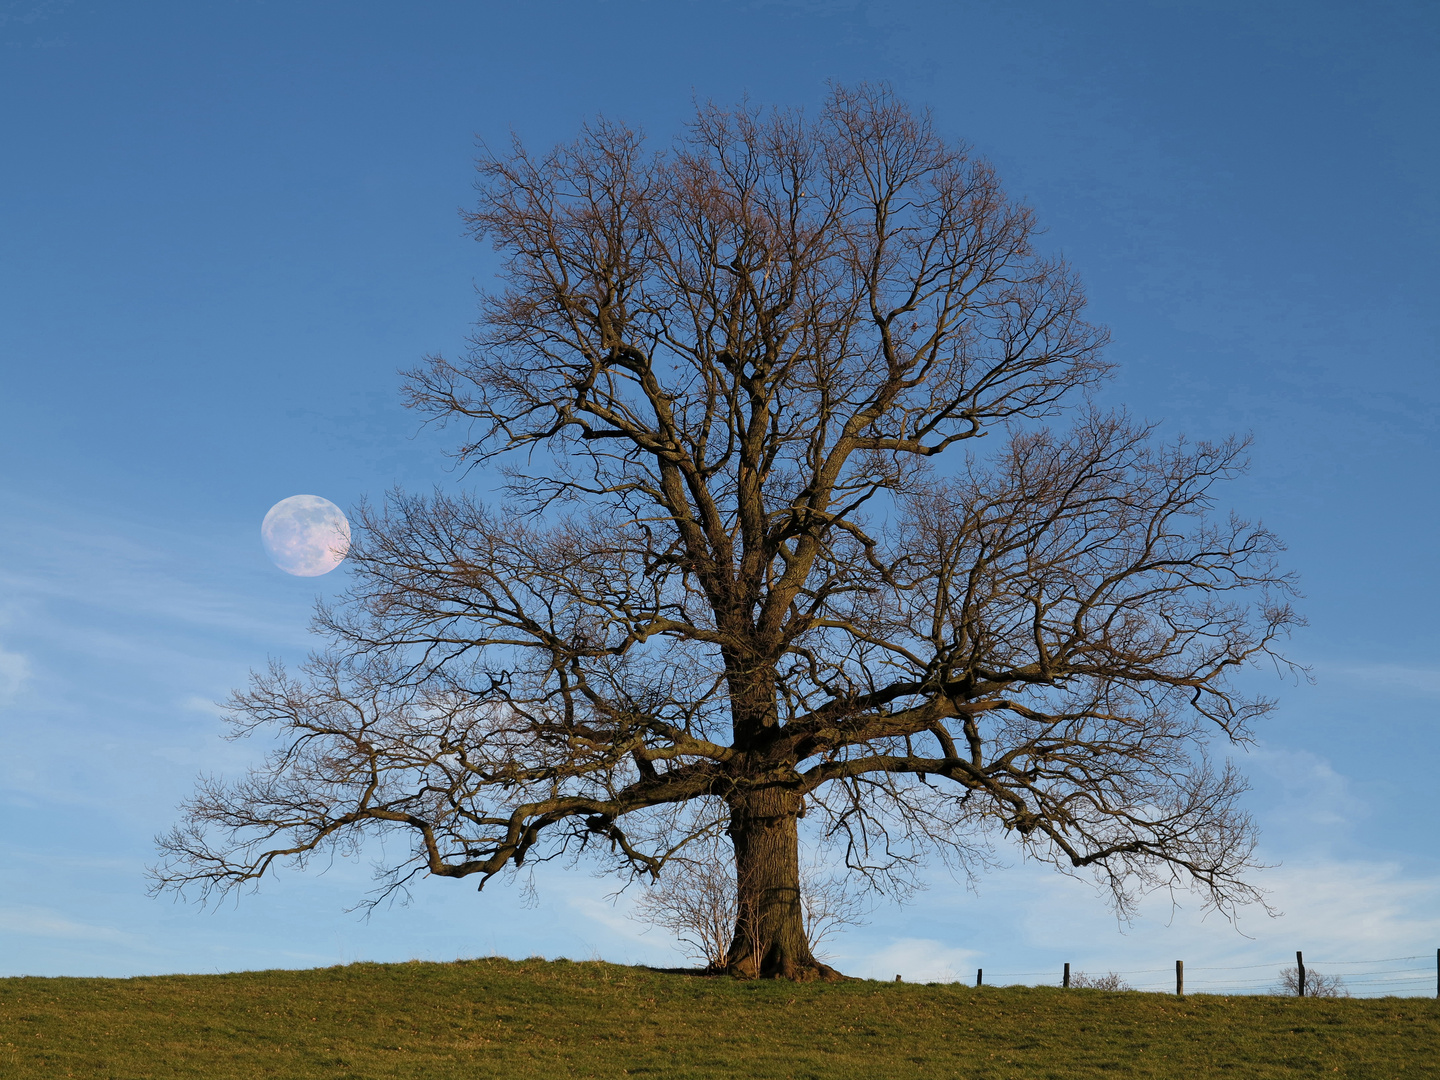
x=770, y=939
x=810, y=970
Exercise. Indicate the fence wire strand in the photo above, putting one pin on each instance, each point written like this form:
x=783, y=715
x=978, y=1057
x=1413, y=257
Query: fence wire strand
x=1374, y=981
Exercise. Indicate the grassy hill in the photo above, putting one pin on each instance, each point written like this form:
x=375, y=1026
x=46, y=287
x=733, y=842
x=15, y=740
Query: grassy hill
x=503, y=1018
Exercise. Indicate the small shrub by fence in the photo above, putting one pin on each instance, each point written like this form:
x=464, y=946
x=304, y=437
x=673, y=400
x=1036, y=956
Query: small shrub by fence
x=1395, y=976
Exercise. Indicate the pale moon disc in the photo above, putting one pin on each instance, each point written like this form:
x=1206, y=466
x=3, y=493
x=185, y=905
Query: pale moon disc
x=305, y=535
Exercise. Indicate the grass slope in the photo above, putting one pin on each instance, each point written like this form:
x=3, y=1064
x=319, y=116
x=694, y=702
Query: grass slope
x=504, y=1018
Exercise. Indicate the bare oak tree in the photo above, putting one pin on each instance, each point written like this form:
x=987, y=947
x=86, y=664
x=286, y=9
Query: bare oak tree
x=1109, y=981
x=731, y=577
x=1314, y=984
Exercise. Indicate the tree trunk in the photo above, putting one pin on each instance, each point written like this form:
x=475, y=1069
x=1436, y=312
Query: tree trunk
x=770, y=940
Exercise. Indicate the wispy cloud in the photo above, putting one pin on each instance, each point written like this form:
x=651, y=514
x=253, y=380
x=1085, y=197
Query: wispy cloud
x=135, y=581
x=41, y=922
x=1336, y=908
x=1401, y=679
x=1311, y=792
x=614, y=917
x=194, y=703
x=1358, y=909
x=14, y=673
x=914, y=959
x=28, y=12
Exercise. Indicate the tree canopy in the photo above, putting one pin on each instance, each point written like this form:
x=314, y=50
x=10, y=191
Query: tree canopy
x=752, y=561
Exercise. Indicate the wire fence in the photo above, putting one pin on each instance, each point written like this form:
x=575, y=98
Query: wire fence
x=1394, y=976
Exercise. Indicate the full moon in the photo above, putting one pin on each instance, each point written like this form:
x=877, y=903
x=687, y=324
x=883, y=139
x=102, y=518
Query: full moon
x=305, y=535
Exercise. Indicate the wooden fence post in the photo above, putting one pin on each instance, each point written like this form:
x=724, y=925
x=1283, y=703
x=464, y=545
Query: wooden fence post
x=1179, y=978
x=979, y=976
x=1437, y=973
x=1300, y=968
x=1066, y=982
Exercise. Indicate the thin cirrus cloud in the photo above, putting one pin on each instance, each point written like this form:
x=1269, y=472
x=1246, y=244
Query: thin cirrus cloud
x=14, y=673
x=42, y=922
x=1400, y=679
x=918, y=960
x=1307, y=790
x=1335, y=909
x=177, y=580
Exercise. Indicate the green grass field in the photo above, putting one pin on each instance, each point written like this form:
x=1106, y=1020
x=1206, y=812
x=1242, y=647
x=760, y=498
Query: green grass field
x=504, y=1018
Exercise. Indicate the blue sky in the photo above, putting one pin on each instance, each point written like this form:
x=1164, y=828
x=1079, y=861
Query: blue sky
x=224, y=227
